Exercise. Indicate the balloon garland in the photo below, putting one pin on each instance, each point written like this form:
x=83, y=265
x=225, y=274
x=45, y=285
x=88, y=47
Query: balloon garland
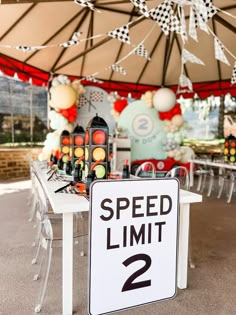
x=63, y=98
x=164, y=100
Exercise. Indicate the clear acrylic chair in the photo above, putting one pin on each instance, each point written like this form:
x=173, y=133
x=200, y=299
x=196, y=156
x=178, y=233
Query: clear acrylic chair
x=228, y=181
x=145, y=170
x=50, y=236
x=205, y=175
x=231, y=186
x=182, y=174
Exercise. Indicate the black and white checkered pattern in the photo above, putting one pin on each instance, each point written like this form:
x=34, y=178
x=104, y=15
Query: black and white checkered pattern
x=118, y=69
x=188, y=56
x=26, y=48
x=69, y=190
x=86, y=3
x=141, y=5
x=96, y=96
x=233, y=78
x=208, y=11
x=82, y=101
x=141, y=51
x=183, y=30
x=92, y=79
x=74, y=40
x=162, y=15
x=219, y=51
x=204, y=10
x=121, y=33
x=193, y=20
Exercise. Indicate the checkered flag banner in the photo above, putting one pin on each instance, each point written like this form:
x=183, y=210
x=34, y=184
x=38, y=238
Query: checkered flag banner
x=141, y=51
x=74, y=40
x=96, y=96
x=184, y=82
x=188, y=56
x=219, y=52
x=204, y=10
x=92, y=78
x=193, y=22
x=118, y=69
x=163, y=14
x=141, y=5
x=86, y=3
x=183, y=31
x=82, y=101
x=233, y=79
x=121, y=33
x=27, y=48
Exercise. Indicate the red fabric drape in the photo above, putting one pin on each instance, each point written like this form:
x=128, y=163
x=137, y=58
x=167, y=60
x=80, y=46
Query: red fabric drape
x=26, y=72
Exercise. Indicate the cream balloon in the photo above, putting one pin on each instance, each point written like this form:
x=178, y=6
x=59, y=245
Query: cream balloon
x=177, y=121
x=62, y=96
x=164, y=100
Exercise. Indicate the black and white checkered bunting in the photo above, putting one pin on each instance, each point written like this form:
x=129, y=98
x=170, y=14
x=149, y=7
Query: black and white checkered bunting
x=189, y=57
x=219, y=51
x=74, y=40
x=233, y=78
x=121, y=33
x=204, y=10
x=193, y=22
x=141, y=5
x=91, y=78
x=118, y=69
x=141, y=51
x=26, y=48
x=86, y=3
x=163, y=14
x=183, y=28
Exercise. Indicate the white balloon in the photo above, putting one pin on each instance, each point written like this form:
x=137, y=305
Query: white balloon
x=187, y=154
x=52, y=141
x=164, y=100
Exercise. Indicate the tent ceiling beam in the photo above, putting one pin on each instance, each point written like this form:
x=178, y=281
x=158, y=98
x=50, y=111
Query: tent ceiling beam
x=224, y=23
x=90, y=32
x=180, y=52
x=57, y=32
x=151, y=53
x=17, y=21
x=64, y=49
x=218, y=62
x=121, y=46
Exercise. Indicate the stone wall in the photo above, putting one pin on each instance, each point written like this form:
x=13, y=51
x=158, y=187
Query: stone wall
x=15, y=163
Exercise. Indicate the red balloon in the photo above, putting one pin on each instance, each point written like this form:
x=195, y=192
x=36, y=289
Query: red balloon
x=69, y=113
x=120, y=104
x=176, y=110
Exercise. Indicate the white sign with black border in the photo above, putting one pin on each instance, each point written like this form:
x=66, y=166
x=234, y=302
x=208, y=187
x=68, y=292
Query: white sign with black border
x=133, y=243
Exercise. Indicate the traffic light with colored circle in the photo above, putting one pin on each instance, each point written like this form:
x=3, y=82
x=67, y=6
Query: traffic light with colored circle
x=230, y=149
x=96, y=147
x=77, y=146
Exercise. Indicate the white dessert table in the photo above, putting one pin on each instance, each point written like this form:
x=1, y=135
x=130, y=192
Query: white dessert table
x=68, y=204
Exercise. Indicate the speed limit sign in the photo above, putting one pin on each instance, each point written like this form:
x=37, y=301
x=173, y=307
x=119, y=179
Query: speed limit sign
x=133, y=243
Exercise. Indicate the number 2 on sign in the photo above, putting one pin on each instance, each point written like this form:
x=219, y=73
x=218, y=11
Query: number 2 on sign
x=129, y=284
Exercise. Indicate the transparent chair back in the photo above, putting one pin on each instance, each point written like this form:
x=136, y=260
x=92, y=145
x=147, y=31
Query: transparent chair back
x=182, y=174
x=145, y=170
